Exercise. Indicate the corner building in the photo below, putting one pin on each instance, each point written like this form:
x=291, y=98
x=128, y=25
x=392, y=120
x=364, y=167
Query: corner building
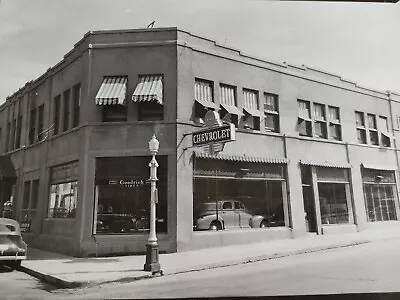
x=314, y=153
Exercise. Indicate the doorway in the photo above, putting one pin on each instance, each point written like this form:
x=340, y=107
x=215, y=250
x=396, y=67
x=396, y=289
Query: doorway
x=308, y=199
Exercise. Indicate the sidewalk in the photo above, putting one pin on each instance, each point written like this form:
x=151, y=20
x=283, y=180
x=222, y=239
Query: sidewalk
x=68, y=272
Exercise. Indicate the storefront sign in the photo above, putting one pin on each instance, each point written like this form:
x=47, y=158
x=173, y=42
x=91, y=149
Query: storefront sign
x=25, y=226
x=127, y=183
x=224, y=133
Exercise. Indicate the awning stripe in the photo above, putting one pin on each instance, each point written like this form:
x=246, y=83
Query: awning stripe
x=233, y=110
x=379, y=167
x=112, y=91
x=207, y=104
x=326, y=164
x=242, y=158
x=149, y=88
x=253, y=112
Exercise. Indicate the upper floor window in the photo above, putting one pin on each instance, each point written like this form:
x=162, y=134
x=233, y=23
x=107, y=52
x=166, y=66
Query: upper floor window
x=229, y=112
x=320, y=121
x=40, y=134
x=361, y=130
x=32, y=126
x=149, y=95
x=204, y=99
x=66, y=95
x=384, y=129
x=271, y=111
x=251, y=108
x=76, y=91
x=373, y=129
x=111, y=96
x=304, y=118
x=335, y=127
x=56, y=114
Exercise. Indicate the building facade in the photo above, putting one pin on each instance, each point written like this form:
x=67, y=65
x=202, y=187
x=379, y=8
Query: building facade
x=314, y=153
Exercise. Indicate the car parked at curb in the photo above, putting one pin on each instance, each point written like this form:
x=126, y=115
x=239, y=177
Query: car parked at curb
x=226, y=214
x=13, y=249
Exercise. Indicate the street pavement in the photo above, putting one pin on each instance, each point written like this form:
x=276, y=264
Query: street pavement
x=367, y=268
x=69, y=272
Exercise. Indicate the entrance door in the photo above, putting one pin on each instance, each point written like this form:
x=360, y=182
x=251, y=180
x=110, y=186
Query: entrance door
x=308, y=199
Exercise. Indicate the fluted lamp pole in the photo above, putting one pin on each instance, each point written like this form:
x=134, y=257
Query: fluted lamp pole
x=152, y=250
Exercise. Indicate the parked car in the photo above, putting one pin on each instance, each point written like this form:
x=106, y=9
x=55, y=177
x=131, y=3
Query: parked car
x=12, y=247
x=231, y=213
x=121, y=223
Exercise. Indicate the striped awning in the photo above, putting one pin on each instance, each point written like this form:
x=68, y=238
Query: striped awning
x=252, y=111
x=233, y=110
x=207, y=104
x=242, y=158
x=7, y=169
x=149, y=88
x=381, y=167
x=112, y=91
x=326, y=164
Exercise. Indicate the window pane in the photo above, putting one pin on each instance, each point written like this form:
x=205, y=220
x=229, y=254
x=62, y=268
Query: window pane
x=360, y=119
x=319, y=111
x=203, y=90
x=374, y=137
x=228, y=95
x=371, y=121
x=271, y=122
x=271, y=102
x=383, y=124
x=304, y=128
x=27, y=187
x=250, y=99
x=320, y=129
x=361, y=136
x=334, y=115
x=63, y=197
x=304, y=109
x=335, y=132
x=333, y=203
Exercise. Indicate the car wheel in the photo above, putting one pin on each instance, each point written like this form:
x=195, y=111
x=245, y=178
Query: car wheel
x=15, y=264
x=215, y=225
x=263, y=224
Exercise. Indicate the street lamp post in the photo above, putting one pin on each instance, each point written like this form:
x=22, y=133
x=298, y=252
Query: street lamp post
x=152, y=251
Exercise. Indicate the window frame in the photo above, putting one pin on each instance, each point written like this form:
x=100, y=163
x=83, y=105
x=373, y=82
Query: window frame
x=271, y=114
x=334, y=123
x=307, y=120
x=361, y=129
x=320, y=120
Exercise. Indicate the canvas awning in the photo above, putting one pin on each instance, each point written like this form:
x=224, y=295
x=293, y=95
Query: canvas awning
x=112, y=91
x=149, y=88
x=7, y=169
x=242, y=158
x=233, y=110
x=326, y=164
x=207, y=104
x=379, y=166
x=253, y=112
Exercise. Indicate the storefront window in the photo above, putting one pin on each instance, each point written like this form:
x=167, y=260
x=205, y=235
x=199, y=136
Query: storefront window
x=63, y=198
x=122, y=196
x=333, y=203
x=379, y=195
x=242, y=201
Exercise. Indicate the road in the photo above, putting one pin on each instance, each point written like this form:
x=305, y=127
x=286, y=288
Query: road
x=18, y=285
x=365, y=268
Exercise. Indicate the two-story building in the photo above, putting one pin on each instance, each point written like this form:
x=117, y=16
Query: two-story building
x=314, y=153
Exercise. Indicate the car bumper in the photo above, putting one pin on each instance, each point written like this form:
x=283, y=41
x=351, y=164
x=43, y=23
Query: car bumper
x=12, y=257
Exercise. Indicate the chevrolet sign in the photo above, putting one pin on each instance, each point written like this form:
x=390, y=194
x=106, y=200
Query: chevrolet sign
x=224, y=133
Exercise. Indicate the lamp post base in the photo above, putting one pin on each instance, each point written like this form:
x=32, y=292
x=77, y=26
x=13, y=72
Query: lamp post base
x=152, y=263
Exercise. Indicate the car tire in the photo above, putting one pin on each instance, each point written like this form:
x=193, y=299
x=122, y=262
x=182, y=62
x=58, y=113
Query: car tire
x=264, y=224
x=215, y=225
x=15, y=264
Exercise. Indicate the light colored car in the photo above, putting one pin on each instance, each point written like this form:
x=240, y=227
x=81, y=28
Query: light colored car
x=231, y=214
x=13, y=249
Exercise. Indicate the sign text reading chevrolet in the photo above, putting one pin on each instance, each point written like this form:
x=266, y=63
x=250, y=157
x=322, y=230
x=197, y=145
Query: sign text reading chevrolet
x=224, y=133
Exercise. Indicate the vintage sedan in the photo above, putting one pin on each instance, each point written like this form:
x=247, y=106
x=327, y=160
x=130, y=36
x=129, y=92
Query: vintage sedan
x=12, y=247
x=225, y=214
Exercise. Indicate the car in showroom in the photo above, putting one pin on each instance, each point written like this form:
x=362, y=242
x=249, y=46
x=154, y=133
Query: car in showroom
x=226, y=214
x=13, y=249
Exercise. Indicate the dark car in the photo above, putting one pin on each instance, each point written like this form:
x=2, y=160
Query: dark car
x=12, y=247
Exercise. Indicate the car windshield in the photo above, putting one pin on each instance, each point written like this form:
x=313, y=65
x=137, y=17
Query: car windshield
x=7, y=228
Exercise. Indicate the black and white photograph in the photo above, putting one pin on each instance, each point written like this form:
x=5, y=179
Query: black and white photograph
x=167, y=149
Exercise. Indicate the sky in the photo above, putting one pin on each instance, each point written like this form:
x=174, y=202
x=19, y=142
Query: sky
x=359, y=41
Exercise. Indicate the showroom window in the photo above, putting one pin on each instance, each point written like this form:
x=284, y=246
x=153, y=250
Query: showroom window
x=380, y=194
x=63, y=195
x=237, y=195
x=204, y=99
x=122, y=195
x=334, y=195
x=304, y=118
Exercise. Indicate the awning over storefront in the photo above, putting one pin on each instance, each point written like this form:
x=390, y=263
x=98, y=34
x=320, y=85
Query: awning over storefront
x=233, y=110
x=242, y=158
x=252, y=111
x=112, y=91
x=326, y=164
x=207, y=104
x=379, y=167
x=149, y=88
x=7, y=170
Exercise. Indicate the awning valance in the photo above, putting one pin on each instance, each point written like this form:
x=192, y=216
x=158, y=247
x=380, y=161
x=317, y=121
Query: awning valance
x=233, y=110
x=149, y=88
x=253, y=112
x=7, y=170
x=112, y=91
x=207, y=104
x=242, y=158
x=326, y=164
x=379, y=166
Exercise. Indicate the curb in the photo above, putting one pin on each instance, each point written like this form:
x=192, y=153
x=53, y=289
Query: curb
x=62, y=283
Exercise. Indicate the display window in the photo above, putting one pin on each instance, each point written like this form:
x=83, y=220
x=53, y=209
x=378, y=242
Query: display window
x=379, y=195
x=122, y=195
x=238, y=197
